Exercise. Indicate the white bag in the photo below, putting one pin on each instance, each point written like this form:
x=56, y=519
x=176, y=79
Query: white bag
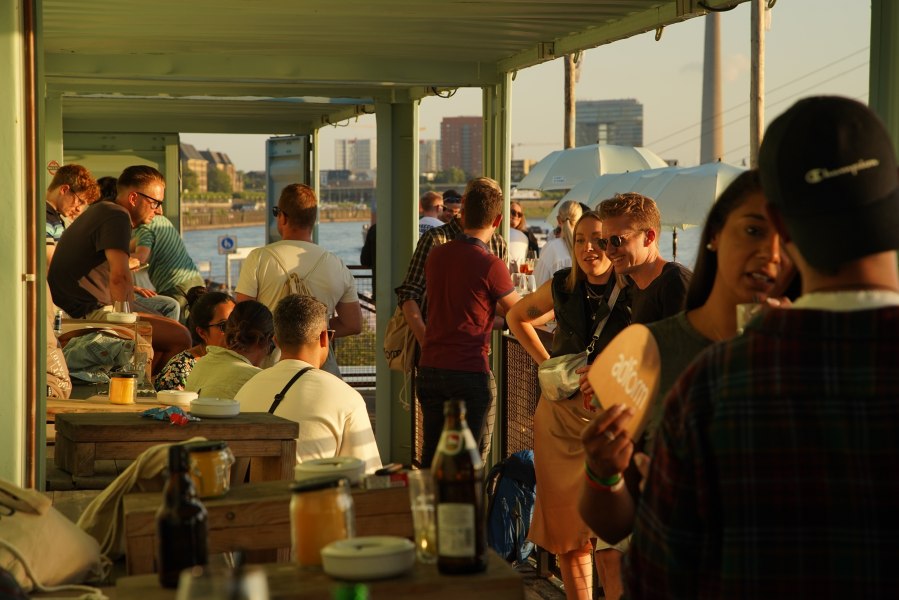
x=39, y=546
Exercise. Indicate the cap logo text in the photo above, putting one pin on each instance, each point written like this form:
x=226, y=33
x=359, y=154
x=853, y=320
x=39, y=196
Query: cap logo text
x=818, y=175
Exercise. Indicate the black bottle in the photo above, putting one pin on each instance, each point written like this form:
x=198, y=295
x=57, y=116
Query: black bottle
x=180, y=522
x=459, y=496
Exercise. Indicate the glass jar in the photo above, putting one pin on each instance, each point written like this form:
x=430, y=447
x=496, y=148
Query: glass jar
x=210, y=468
x=321, y=511
x=122, y=388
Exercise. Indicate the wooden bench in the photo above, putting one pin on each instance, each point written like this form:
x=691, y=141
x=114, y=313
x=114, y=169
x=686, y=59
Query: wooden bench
x=83, y=438
x=256, y=517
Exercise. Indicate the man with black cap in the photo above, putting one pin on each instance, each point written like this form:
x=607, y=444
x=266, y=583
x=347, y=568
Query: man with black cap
x=774, y=471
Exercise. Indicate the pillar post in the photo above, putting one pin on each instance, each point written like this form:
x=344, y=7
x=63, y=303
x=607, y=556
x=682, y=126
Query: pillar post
x=883, y=81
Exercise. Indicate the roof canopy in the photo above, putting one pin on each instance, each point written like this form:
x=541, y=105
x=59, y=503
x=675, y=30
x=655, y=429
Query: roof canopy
x=291, y=66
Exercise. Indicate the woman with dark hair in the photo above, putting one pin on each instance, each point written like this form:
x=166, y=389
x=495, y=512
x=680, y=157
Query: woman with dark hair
x=740, y=261
x=208, y=314
x=579, y=296
x=249, y=333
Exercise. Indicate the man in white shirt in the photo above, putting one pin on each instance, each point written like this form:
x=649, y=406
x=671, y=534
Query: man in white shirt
x=332, y=415
x=265, y=271
x=430, y=206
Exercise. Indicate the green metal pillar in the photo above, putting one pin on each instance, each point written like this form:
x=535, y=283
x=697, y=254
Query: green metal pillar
x=883, y=81
x=498, y=166
x=12, y=242
x=52, y=139
x=397, y=233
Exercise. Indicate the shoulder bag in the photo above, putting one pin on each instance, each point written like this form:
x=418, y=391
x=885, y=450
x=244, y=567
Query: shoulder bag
x=557, y=377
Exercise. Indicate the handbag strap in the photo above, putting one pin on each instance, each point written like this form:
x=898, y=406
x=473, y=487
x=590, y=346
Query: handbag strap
x=612, y=299
x=280, y=396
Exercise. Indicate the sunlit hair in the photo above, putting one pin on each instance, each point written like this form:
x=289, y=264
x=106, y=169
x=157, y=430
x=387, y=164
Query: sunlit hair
x=483, y=202
x=202, y=310
x=299, y=204
x=706, y=268
x=523, y=224
x=79, y=179
x=642, y=210
x=570, y=213
x=249, y=326
x=429, y=199
x=299, y=320
x=577, y=274
x=139, y=176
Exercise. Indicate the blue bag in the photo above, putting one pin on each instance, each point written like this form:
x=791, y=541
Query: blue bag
x=511, y=488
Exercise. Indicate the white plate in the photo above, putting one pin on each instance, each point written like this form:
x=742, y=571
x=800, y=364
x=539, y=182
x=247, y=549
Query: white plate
x=176, y=397
x=115, y=317
x=368, y=557
x=347, y=466
x=214, y=407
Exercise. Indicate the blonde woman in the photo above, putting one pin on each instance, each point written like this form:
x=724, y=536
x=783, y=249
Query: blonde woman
x=580, y=297
x=556, y=254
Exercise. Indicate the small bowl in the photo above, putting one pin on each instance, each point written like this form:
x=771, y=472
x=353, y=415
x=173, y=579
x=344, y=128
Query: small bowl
x=119, y=317
x=345, y=466
x=179, y=398
x=214, y=407
x=369, y=557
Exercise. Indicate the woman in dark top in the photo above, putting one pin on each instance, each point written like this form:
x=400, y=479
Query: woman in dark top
x=579, y=297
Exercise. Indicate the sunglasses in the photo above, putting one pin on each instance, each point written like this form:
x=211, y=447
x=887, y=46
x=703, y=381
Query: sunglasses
x=277, y=211
x=220, y=325
x=331, y=333
x=154, y=203
x=614, y=240
x=515, y=213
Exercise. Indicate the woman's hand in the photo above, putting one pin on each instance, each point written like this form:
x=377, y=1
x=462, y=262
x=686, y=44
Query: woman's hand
x=607, y=445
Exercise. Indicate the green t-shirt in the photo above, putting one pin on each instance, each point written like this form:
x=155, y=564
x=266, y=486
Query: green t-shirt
x=171, y=267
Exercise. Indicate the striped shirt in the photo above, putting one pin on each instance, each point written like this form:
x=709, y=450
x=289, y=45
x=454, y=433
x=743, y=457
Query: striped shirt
x=171, y=267
x=774, y=472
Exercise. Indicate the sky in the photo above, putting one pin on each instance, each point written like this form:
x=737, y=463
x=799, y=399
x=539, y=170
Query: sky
x=812, y=47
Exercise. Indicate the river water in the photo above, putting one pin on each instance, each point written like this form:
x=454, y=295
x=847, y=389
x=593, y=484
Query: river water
x=345, y=240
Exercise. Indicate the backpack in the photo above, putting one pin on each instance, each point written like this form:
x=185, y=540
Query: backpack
x=511, y=488
x=294, y=284
x=399, y=343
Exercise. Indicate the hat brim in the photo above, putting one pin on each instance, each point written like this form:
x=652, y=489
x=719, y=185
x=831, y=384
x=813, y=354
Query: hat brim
x=827, y=240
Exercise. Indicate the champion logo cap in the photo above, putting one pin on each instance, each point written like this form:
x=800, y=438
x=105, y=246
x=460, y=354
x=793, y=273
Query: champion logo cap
x=827, y=164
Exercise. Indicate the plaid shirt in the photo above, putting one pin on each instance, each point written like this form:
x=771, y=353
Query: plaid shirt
x=775, y=469
x=413, y=286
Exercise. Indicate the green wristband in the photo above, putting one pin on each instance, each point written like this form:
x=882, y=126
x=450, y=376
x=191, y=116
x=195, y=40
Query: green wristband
x=606, y=481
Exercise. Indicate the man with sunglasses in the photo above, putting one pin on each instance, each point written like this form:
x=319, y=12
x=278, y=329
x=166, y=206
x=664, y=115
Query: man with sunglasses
x=631, y=225
x=91, y=267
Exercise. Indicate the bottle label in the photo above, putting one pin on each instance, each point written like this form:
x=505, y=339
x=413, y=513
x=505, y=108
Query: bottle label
x=455, y=530
x=450, y=442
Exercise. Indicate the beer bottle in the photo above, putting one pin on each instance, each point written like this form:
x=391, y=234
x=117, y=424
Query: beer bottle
x=180, y=522
x=459, y=496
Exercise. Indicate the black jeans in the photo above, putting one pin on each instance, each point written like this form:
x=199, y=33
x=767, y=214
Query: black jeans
x=478, y=390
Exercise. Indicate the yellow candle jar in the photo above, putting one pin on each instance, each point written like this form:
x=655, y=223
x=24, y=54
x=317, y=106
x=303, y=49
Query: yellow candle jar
x=122, y=388
x=321, y=511
x=210, y=468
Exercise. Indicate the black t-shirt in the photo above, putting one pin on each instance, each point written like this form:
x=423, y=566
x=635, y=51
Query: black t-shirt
x=79, y=273
x=663, y=297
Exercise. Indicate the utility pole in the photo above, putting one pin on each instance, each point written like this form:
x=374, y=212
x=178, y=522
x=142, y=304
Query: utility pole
x=570, y=76
x=711, y=144
x=757, y=81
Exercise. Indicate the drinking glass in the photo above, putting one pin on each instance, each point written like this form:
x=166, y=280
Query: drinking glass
x=421, y=498
x=121, y=306
x=531, y=260
x=215, y=583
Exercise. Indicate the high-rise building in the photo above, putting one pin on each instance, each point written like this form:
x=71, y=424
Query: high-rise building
x=618, y=122
x=429, y=156
x=352, y=155
x=462, y=144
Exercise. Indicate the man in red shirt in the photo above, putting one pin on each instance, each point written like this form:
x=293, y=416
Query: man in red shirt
x=466, y=284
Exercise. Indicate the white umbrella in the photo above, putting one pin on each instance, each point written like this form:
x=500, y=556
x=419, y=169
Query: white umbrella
x=564, y=169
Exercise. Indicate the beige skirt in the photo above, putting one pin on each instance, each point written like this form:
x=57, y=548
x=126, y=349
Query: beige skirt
x=559, y=466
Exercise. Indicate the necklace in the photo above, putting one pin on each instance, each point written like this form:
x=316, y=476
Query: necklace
x=593, y=294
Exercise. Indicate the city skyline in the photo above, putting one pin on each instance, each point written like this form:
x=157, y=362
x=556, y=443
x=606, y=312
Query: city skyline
x=812, y=47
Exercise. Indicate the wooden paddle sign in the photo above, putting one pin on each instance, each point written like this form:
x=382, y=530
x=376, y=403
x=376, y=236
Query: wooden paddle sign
x=627, y=372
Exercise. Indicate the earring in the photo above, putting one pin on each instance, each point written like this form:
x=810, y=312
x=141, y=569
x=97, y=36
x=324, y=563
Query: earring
x=709, y=247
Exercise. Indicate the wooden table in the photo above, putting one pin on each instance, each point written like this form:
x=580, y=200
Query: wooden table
x=96, y=404
x=83, y=438
x=256, y=516
x=498, y=582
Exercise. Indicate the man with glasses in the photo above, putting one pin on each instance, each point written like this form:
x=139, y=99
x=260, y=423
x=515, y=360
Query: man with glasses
x=265, y=274
x=91, y=267
x=452, y=206
x=332, y=415
x=430, y=206
x=631, y=225
x=72, y=188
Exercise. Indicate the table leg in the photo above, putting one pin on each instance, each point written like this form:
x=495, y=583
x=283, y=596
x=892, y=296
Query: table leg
x=76, y=458
x=275, y=468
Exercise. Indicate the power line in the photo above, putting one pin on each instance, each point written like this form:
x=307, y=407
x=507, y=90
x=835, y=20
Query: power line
x=771, y=91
